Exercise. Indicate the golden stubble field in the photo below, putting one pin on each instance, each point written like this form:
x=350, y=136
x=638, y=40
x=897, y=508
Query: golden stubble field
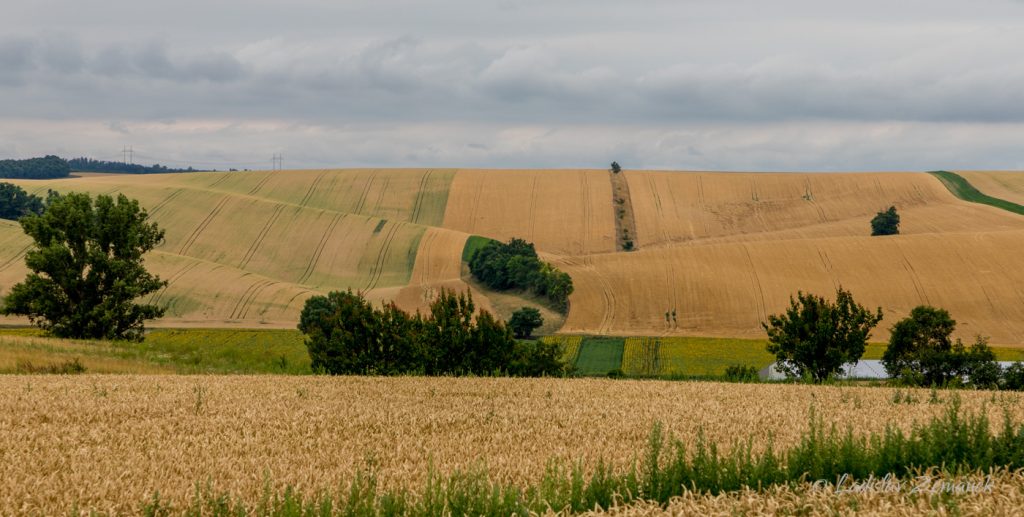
x=109, y=442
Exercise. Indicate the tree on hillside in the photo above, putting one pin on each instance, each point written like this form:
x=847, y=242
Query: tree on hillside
x=15, y=202
x=886, y=222
x=86, y=268
x=524, y=321
x=921, y=351
x=616, y=168
x=815, y=338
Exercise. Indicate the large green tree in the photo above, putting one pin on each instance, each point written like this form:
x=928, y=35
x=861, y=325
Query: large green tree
x=922, y=351
x=15, y=202
x=87, y=268
x=815, y=337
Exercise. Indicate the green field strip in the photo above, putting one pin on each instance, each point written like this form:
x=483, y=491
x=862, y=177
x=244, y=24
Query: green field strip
x=698, y=356
x=474, y=243
x=599, y=355
x=962, y=189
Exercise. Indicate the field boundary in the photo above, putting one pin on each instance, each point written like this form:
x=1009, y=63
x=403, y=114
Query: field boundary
x=961, y=188
x=622, y=204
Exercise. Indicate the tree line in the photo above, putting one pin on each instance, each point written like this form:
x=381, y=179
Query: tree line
x=515, y=265
x=90, y=165
x=345, y=334
x=16, y=203
x=48, y=167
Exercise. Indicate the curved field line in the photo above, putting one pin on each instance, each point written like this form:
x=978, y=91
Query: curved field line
x=296, y=295
x=426, y=249
x=918, y=286
x=361, y=202
x=160, y=206
x=246, y=296
x=533, y=207
x=170, y=281
x=259, y=238
x=315, y=258
x=255, y=295
x=756, y=281
x=417, y=204
x=378, y=266
x=222, y=179
x=260, y=183
x=312, y=188
x=380, y=197
x=202, y=226
x=19, y=254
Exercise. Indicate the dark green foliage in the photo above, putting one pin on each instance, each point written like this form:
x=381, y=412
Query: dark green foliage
x=524, y=321
x=953, y=444
x=1013, y=377
x=616, y=168
x=87, y=270
x=599, y=355
x=741, y=373
x=90, y=165
x=922, y=352
x=15, y=202
x=815, y=337
x=515, y=265
x=962, y=189
x=48, y=167
x=886, y=222
x=346, y=335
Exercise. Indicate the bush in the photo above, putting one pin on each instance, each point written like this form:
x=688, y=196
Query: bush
x=1013, y=377
x=524, y=321
x=741, y=373
x=537, y=359
x=15, y=202
x=616, y=168
x=815, y=337
x=886, y=222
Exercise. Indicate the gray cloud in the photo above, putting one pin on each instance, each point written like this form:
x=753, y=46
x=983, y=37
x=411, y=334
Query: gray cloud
x=526, y=82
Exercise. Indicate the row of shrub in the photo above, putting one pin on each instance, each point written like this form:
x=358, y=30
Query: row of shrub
x=345, y=334
x=35, y=168
x=953, y=444
x=515, y=265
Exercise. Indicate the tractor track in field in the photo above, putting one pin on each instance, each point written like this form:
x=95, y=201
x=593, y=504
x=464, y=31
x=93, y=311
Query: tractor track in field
x=249, y=296
x=533, y=208
x=219, y=180
x=324, y=239
x=259, y=238
x=380, y=197
x=160, y=206
x=259, y=185
x=361, y=202
x=587, y=211
x=202, y=226
x=296, y=295
x=378, y=266
x=170, y=281
x=312, y=189
x=417, y=204
x=21, y=253
x=756, y=284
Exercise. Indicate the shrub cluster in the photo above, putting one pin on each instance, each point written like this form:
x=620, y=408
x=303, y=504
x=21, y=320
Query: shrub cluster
x=35, y=168
x=15, y=202
x=345, y=334
x=515, y=266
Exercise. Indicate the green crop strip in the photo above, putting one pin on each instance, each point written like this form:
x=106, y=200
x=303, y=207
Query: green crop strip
x=962, y=189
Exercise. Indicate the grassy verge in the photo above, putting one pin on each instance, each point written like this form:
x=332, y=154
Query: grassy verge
x=962, y=189
x=186, y=351
x=953, y=444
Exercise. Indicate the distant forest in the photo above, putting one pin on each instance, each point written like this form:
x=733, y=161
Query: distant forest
x=90, y=165
x=35, y=168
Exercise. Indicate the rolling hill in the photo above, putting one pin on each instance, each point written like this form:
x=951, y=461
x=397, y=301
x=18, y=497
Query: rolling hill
x=723, y=250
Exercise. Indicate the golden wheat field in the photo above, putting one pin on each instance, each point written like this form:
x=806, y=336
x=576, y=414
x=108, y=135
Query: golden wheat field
x=109, y=442
x=722, y=250
x=1001, y=184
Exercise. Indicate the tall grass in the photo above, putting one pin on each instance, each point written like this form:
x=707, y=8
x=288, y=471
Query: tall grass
x=953, y=443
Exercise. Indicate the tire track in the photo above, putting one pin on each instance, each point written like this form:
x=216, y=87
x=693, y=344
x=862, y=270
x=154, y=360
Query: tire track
x=312, y=188
x=223, y=177
x=366, y=192
x=315, y=258
x=533, y=208
x=826, y=262
x=160, y=206
x=202, y=226
x=296, y=295
x=378, y=267
x=914, y=278
x=261, y=183
x=426, y=247
x=170, y=281
x=15, y=257
x=260, y=237
x=255, y=296
x=247, y=297
x=756, y=283
x=417, y=204
x=380, y=197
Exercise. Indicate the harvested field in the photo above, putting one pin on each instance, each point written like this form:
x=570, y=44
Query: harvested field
x=109, y=442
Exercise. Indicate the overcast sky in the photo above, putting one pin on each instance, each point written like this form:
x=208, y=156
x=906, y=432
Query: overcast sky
x=699, y=84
